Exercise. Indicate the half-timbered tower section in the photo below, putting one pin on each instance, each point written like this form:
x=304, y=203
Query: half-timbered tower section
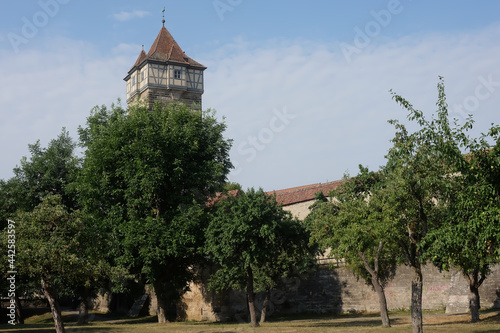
x=165, y=74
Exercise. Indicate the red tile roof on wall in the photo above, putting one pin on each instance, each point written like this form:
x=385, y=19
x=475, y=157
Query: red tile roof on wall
x=295, y=195
x=219, y=196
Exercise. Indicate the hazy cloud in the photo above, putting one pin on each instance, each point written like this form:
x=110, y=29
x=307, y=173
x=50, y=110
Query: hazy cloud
x=125, y=16
x=340, y=110
x=52, y=89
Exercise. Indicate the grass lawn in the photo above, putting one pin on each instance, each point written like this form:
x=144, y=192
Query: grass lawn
x=490, y=322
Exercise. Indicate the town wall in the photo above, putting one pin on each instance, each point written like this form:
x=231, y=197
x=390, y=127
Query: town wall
x=337, y=291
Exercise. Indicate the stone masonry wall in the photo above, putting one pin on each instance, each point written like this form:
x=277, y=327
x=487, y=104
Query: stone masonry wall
x=338, y=291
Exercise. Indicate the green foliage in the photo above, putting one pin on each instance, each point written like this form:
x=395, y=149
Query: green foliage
x=352, y=226
x=420, y=181
x=49, y=170
x=54, y=243
x=445, y=193
x=470, y=236
x=453, y=180
x=230, y=186
x=251, y=231
x=146, y=178
x=46, y=172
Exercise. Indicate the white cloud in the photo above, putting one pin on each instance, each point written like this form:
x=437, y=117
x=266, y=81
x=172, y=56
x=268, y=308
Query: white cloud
x=48, y=90
x=125, y=16
x=341, y=108
x=127, y=49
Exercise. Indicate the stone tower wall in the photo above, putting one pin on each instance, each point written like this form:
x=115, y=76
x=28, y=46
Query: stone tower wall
x=163, y=95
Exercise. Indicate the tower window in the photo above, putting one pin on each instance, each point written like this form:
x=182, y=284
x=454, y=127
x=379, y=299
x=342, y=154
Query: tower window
x=177, y=74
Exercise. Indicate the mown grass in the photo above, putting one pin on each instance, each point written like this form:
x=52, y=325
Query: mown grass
x=346, y=323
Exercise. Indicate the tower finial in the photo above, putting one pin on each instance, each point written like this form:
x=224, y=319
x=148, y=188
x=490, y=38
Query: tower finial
x=163, y=20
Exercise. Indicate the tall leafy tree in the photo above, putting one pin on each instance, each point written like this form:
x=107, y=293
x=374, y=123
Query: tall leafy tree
x=146, y=177
x=255, y=243
x=353, y=226
x=435, y=196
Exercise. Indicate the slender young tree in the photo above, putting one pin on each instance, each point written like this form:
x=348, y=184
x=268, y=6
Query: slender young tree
x=437, y=197
x=469, y=238
x=352, y=226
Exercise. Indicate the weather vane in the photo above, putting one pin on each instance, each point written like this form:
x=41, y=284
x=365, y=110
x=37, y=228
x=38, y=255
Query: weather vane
x=163, y=21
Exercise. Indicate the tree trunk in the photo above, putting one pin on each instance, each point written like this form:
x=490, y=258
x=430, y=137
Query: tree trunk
x=19, y=311
x=83, y=309
x=416, y=300
x=374, y=272
x=474, y=303
x=51, y=296
x=264, y=306
x=251, y=298
x=382, y=302
x=162, y=302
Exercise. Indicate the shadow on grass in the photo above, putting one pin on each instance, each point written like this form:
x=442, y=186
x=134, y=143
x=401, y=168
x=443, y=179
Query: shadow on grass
x=44, y=322
x=351, y=323
x=32, y=328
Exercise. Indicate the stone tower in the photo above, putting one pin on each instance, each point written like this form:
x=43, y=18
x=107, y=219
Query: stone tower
x=165, y=74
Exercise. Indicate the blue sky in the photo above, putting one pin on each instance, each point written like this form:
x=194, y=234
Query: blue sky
x=303, y=85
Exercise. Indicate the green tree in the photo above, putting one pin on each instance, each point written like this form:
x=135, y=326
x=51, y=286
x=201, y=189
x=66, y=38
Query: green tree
x=255, y=243
x=352, y=226
x=434, y=196
x=469, y=238
x=146, y=178
x=292, y=257
x=47, y=171
x=49, y=242
x=415, y=194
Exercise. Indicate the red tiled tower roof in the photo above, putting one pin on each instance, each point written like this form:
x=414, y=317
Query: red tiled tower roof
x=298, y=194
x=166, y=49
